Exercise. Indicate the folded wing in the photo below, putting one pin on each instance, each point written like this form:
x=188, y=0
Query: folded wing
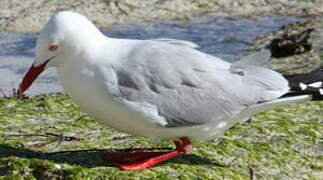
x=187, y=87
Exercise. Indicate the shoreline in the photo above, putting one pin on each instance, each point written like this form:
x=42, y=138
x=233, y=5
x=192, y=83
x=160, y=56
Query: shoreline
x=29, y=16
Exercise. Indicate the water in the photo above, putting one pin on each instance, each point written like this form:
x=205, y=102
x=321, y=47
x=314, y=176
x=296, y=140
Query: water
x=223, y=37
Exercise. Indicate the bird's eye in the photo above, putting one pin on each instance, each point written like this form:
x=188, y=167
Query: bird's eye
x=52, y=47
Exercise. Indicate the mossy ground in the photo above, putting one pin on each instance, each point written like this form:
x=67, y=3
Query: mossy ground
x=283, y=143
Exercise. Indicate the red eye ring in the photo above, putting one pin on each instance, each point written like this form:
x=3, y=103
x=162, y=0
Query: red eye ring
x=52, y=47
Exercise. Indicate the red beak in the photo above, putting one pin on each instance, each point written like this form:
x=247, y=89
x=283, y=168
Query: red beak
x=30, y=77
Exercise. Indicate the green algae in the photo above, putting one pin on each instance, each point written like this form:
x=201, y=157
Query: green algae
x=283, y=143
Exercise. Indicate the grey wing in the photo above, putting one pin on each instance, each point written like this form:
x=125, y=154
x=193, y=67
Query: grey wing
x=177, y=42
x=188, y=87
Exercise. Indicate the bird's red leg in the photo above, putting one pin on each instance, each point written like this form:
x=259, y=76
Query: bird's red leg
x=143, y=160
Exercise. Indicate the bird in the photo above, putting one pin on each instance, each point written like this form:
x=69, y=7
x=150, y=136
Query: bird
x=164, y=89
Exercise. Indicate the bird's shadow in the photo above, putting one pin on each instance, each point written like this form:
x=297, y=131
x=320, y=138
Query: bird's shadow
x=87, y=158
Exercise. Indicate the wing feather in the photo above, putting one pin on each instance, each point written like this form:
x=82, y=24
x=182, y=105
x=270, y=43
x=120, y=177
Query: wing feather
x=188, y=87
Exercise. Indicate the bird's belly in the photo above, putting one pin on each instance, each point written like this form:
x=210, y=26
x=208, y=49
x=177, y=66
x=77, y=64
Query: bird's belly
x=100, y=105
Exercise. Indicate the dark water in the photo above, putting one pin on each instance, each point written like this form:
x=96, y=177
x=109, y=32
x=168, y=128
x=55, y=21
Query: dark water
x=223, y=37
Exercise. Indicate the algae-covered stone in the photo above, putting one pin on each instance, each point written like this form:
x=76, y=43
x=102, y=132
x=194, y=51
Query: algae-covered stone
x=302, y=63
x=50, y=137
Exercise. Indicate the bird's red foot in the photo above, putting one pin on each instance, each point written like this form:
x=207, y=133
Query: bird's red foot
x=138, y=161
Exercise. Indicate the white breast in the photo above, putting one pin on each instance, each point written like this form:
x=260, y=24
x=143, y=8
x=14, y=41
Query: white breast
x=87, y=87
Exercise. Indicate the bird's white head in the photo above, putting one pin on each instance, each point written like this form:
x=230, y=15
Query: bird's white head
x=65, y=34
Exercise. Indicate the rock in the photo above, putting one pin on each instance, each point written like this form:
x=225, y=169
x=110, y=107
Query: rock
x=290, y=44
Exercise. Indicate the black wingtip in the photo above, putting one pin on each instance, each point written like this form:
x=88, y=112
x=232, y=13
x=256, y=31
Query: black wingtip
x=307, y=83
